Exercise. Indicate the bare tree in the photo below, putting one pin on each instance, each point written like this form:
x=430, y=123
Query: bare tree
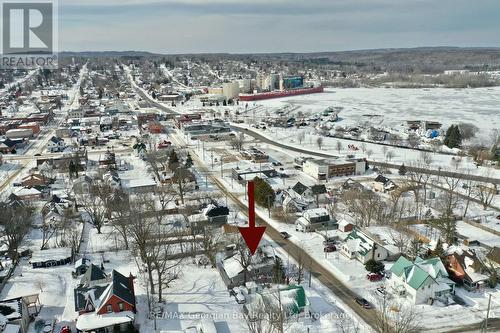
x=485, y=194
x=301, y=136
x=364, y=207
x=425, y=157
x=389, y=155
x=238, y=141
x=339, y=146
x=16, y=222
x=319, y=142
x=346, y=324
x=401, y=240
x=392, y=317
x=210, y=243
x=95, y=203
x=413, y=140
x=243, y=257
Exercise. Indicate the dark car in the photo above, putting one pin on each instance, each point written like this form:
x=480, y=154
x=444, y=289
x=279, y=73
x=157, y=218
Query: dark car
x=374, y=277
x=37, y=154
x=330, y=248
x=363, y=302
x=329, y=241
x=285, y=234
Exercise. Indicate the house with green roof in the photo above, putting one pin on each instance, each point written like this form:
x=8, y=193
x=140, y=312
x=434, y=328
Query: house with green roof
x=421, y=281
x=291, y=300
x=360, y=246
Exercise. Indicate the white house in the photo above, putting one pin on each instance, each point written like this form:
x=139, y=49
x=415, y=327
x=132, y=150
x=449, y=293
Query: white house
x=56, y=144
x=361, y=247
x=421, y=281
x=313, y=219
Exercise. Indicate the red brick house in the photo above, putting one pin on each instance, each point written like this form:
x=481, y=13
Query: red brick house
x=108, y=305
x=466, y=269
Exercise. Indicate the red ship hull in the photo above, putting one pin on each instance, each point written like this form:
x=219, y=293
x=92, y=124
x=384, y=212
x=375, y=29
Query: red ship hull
x=278, y=94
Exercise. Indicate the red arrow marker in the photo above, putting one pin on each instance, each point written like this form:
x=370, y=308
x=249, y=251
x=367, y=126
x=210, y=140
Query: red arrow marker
x=252, y=234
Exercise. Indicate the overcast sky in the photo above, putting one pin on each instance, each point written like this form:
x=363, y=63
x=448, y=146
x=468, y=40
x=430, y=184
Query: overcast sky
x=250, y=26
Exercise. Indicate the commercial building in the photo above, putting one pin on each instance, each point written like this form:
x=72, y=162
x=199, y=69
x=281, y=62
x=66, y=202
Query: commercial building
x=231, y=90
x=327, y=168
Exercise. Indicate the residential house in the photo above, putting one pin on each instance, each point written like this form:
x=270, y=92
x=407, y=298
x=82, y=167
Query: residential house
x=345, y=226
x=260, y=270
x=56, y=144
x=313, y=219
x=36, y=179
x=383, y=184
x=212, y=215
x=421, y=281
x=359, y=246
x=93, y=276
x=290, y=300
x=465, y=268
x=300, y=196
x=493, y=258
x=81, y=266
x=29, y=194
x=109, y=306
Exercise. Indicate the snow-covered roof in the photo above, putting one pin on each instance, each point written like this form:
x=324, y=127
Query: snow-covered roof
x=91, y=321
x=27, y=191
x=232, y=267
x=316, y=212
x=59, y=253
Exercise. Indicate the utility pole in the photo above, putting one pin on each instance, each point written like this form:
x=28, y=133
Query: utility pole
x=310, y=272
x=269, y=206
x=221, y=169
x=487, y=314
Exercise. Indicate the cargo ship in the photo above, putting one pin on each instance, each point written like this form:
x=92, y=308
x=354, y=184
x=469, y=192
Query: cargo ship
x=278, y=94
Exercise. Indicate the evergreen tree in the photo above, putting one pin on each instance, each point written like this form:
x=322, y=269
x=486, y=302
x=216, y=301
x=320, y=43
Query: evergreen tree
x=278, y=271
x=173, y=161
x=402, y=170
x=374, y=266
x=453, y=137
x=438, y=250
x=189, y=161
x=264, y=193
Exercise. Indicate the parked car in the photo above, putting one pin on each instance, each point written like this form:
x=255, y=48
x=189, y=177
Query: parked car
x=381, y=291
x=65, y=329
x=363, y=302
x=329, y=241
x=285, y=234
x=374, y=277
x=330, y=248
x=240, y=298
x=498, y=217
x=276, y=163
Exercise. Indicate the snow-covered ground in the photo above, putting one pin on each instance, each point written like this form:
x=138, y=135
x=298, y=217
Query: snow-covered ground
x=392, y=107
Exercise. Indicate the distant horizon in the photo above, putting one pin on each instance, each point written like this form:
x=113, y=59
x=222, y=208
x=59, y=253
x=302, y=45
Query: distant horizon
x=292, y=52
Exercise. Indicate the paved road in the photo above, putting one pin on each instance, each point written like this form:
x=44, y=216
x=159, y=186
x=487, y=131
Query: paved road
x=381, y=164
x=317, y=270
x=43, y=140
x=323, y=275
x=149, y=99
